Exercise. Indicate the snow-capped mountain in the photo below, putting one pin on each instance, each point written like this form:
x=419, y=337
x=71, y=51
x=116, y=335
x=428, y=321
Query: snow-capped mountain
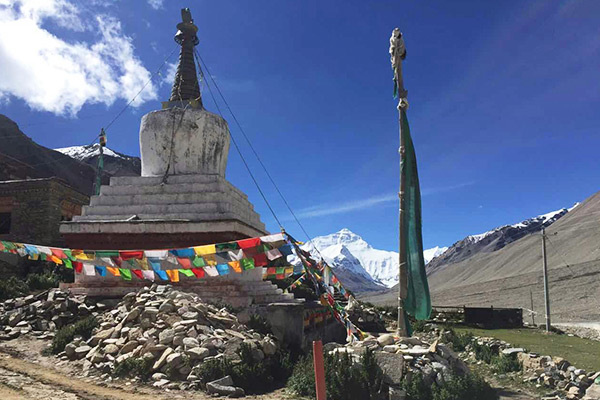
x=115, y=163
x=347, y=251
x=494, y=239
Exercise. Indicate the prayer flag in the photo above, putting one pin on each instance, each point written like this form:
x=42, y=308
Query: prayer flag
x=226, y=246
x=186, y=272
x=131, y=255
x=189, y=252
x=205, y=250
x=100, y=270
x=236, y=254
x=160, y=254
x=418, y=301
x=211, y=271
x=235, y=265
x=260, y=260
x=107, y=253
x=286, y=250
x=222, y=258
x=114, y=271
x=89, y=270
x=173, y=274
x=273, y=254
x=138, y=273
x=223, y=269
x=247, y=263
x=248, y=243
x=125, y=273
x=147, y=274
x=78, y=266
x=185, y=262
x=199, y=272
x=198, y=261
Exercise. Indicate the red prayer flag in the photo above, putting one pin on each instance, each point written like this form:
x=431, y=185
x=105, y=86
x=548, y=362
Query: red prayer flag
x=58, y=253
x=78, y=266
x=129, y=255
x=185, y=262
x=117, y=260
x=248, y=243
x=260, y=260
x=199, y=272
x=138, y=273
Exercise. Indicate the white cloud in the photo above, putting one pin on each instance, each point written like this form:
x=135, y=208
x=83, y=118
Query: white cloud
x=330, y=209
x=169, y=75
x=156, y=4
x=55, y=75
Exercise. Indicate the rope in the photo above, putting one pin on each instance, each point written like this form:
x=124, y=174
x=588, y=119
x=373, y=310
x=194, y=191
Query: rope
x=198, y=56
x=238, y=148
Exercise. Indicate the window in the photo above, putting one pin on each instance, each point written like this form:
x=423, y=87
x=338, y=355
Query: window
x=5, y=219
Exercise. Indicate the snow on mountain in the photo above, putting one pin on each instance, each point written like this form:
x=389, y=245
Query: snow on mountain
x=545, y=219
x=83, y=153
x=432, y=253
x=379, y=266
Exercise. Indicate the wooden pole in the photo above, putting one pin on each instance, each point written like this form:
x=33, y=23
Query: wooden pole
x=532, y=311
x=402, y=276
x=319, y=370
x=546, y=289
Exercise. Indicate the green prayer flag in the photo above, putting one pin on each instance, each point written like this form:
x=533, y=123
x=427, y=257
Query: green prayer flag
x=186, y=272
x=226, y=246
x=247, y=263
x=67, y=263
x=198, y=262
x=107, y=253
x=125, y=273
x=418, y=300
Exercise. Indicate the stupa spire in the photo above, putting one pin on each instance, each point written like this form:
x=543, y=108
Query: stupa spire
x=185, y=86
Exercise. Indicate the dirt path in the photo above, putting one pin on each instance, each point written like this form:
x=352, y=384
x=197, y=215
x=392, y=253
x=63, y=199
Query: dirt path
x=25, y=374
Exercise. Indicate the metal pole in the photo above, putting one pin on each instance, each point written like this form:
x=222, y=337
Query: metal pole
x=402, y=277
x=546, y=290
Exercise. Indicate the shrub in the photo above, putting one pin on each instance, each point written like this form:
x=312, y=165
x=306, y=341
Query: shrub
x=467, y=387
x=484, y=352
x=140, y=367
x=344, y=380
x=259, y=324
x=65, y=335
x=251, y=375
x=12, y=287
x=506, y=363
x=42, y=281
x=416, y=388
x=460, y=341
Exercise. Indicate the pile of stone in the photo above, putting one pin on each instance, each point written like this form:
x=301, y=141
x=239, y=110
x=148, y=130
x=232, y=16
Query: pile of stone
x=398, y=356
x=174, y=332
x=551, y=372
x=42, y=314
x=368, y=319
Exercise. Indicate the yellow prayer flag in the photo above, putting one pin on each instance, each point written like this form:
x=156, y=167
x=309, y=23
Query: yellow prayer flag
x=205, y=250
x=235, y=265
x=173, y=275
x=114, y=271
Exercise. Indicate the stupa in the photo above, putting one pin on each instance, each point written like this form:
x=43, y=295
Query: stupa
x=182, y=197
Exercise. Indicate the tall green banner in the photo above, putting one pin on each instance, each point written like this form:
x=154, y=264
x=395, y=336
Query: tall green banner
x=418, y=300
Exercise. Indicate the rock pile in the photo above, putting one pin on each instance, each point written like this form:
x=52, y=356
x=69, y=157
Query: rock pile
x=171, y=331
x=550, y=372
x=398, y=356
x=368, y=319
x=42, y=314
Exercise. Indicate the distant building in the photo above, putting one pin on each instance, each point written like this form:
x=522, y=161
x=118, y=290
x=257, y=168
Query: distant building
x=31, y=210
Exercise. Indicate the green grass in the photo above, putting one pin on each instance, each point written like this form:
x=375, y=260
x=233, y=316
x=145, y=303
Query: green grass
x=582, y=353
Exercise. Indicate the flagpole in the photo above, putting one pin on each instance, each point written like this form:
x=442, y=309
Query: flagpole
x=398, y=54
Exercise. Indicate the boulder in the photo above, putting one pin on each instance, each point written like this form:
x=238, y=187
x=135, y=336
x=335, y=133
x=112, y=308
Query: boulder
x=224, y=387
x=391, y=365
x=197, y=353
x=163, y=358
x=166, y=336
x=385, y=340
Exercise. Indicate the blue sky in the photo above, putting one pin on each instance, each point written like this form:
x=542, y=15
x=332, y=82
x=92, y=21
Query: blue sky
x=504, y=99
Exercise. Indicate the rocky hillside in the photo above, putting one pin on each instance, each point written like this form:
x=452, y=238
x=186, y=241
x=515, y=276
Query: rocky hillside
x=493, y=240
x=41, y=162
x=21, y=157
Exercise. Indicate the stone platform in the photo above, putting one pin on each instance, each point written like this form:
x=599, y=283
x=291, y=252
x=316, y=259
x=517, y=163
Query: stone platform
x=152, y=213
x=238, y=290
